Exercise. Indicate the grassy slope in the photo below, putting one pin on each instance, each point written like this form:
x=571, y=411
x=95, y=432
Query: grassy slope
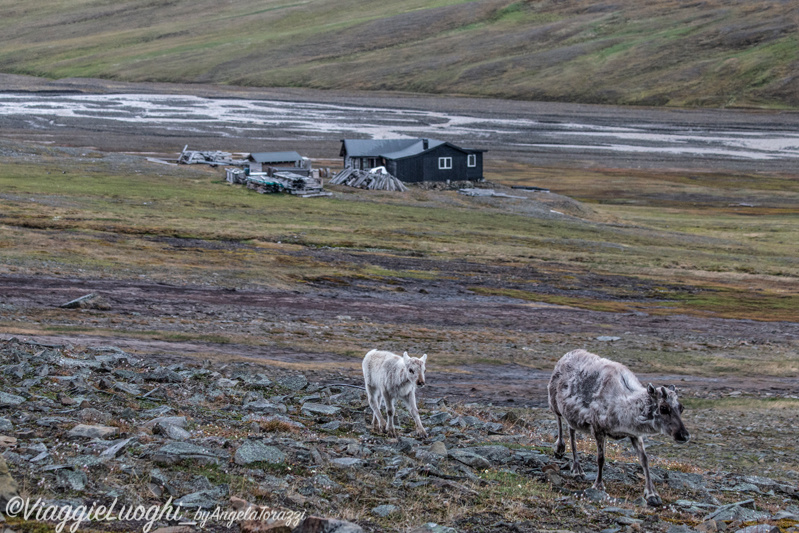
x=664, y=52
x=102, y=218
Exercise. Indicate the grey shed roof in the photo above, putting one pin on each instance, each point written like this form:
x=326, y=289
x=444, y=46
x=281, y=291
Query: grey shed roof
x=390, y=148
x=275, y=157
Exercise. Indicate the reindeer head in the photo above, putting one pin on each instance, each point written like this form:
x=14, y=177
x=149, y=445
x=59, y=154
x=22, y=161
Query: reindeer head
x=666, y=412
x=415, y=368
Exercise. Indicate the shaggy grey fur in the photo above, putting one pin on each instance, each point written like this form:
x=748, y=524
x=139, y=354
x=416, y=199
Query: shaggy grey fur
x=603, y=398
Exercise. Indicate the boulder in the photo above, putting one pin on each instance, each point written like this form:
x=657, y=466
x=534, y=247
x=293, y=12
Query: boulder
x=319, y=409
x=384, y=510
x=74, y=480
x=8, y=487
x=255, y=451
x=293, y=383
x=185, y=452
x=92, y=432
x=10, y=400
x=346, y=462
x=470, y=458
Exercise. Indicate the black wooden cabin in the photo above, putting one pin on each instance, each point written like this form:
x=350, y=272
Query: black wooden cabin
x=414, y=160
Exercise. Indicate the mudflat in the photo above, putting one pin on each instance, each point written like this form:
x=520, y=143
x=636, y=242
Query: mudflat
x=122, y=117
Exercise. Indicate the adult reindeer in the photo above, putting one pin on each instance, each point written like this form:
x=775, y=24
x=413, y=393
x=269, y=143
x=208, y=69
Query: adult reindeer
x=604, y=398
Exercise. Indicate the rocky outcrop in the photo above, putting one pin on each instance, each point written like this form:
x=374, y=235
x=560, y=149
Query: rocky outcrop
x=263, y=449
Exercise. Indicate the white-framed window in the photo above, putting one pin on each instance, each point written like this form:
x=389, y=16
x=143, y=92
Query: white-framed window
x=444, y=163
x=471, y=160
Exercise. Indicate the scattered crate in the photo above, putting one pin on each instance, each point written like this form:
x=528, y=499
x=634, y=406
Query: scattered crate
x=235, y=176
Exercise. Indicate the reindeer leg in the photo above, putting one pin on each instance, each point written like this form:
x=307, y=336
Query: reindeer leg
x=410, y=403
x=600, y=460
x=650, y=494
x=396, y=415
x=577, y=470
x=374, y=400
x=391, y=430
x=560, y=444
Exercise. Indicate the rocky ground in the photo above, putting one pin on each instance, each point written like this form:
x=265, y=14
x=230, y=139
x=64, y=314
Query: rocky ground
x=92, y=425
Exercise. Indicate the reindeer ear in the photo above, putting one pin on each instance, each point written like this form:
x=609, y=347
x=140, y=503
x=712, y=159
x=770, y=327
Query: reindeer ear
x=672, y=388
x=651, y=390
x=406, y=358
x=424, y=358
x=664, y=393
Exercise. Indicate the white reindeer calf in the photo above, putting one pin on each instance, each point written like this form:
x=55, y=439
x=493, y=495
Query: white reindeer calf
x=388, y=376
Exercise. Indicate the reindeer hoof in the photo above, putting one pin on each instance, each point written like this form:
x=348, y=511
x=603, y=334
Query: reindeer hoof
x=560, y=449
x=654, y=501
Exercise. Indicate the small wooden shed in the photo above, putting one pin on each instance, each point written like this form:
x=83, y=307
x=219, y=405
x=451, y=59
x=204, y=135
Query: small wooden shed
x=278, y=161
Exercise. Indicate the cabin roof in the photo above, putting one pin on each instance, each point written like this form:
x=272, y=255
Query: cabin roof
x=413, y=149
x=392, y=148
x=275, y=157
x=385, y=147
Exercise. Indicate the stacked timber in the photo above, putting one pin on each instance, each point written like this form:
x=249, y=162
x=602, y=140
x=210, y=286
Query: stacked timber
x=363, y=179
x=300, y=185
x=297, y=184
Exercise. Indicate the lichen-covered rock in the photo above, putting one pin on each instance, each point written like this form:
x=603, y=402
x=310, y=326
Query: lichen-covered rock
x=294, y=383
x=186, y=452
x=470, y=458
x=10, y=400
x=255, y=451
x=92, y=432
x=384, y=510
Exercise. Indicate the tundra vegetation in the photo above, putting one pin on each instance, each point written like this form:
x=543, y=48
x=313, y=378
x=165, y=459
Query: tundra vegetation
x=665, y=52
x=711, y=247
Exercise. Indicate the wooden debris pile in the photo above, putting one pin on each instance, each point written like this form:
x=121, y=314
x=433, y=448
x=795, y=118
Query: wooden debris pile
x=213, y=158
x=296, y=184
x=376, y=179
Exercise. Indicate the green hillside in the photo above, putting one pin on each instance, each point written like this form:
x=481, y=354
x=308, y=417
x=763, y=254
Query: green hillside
x=711, y=53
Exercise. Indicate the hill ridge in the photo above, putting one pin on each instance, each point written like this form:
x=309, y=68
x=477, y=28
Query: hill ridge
x=662, y=53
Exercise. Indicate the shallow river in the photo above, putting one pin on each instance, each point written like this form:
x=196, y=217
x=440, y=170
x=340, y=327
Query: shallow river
x=638, y=138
